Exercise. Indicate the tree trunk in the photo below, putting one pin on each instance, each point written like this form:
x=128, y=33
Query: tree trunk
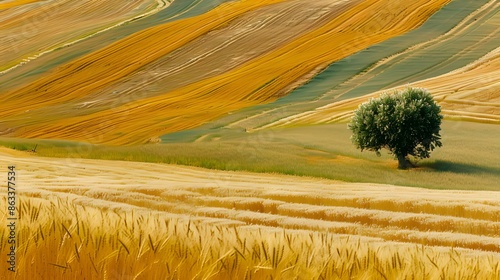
x=404, y=162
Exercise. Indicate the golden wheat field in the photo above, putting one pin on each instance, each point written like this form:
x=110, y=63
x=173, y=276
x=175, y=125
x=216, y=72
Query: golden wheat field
x=207, y=139
x=89, y=219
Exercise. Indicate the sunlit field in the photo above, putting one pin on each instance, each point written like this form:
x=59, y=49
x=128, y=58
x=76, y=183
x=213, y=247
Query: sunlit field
x=90, y=219
x=83, y=101
x=208, y=139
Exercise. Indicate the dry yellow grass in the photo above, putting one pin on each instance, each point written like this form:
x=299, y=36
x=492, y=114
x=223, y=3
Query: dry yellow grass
x=260, y=80
x=460, y=219
x=61, y=239
x=106, y=219
x=15, y=3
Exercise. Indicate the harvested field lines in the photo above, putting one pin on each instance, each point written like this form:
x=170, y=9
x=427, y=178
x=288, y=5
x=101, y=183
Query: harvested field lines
x=41, y=24
x=270, y=74
x=49, y=62
x=15, y=3
x=469, y=93
x=476, y=36
x=225, y=48
x=458, y=35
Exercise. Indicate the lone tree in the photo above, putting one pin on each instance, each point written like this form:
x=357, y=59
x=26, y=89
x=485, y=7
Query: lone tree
x=406, y=123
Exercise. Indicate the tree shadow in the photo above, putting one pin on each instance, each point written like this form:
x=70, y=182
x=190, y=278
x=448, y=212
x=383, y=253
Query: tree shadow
x=455, y=167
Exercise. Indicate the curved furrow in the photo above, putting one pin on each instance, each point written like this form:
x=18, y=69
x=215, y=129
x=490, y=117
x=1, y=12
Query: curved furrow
x=456, y=92
x=383, y=65
x=223, y=48
x=41, y=24
x=49, y=62
x=417, y=52
x=132, y=88
x=14, y=3
x=450, y=62
x=80, y=77
x=270, y=74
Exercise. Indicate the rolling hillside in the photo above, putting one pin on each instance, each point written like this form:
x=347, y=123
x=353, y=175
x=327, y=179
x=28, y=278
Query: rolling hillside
x=440, y=47
x=83, y=102
x=469, y=93
x=207, y=139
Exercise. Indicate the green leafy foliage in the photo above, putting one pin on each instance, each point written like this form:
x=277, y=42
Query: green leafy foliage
x=406, y=123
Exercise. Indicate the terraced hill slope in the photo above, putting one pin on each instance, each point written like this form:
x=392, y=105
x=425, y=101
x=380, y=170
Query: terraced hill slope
x=79, y=99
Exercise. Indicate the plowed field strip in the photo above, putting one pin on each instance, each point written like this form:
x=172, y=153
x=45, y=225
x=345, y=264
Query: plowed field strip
x=432, y=217
x=458, y=93
x=42, y=25
x=475, y=35
x=15, y=3
x=83, y=76
x=264, y=77
x=456, y=35
x=207, y=56
x=50, y=61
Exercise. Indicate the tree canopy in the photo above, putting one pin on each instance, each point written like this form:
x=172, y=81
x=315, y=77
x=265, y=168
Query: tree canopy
x=406, y=123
